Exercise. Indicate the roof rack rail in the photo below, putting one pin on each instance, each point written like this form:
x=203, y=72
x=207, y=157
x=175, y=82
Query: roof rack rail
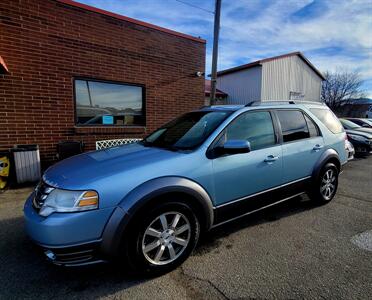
x=251, y=103
x=309, y=102
x=257, y=103
x=254, y=103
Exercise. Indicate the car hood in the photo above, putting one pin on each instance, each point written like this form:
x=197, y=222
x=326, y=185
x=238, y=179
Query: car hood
x=364, y=129
x=83, y=169
x=360, y=132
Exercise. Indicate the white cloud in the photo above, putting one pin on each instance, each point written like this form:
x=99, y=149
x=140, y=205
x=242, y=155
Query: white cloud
x=331, y=33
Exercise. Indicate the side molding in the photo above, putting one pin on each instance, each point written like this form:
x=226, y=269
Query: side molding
x=140, y=196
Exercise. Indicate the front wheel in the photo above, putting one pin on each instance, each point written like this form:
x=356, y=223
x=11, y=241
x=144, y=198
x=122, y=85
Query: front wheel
x=325, y=186
x=162, y=238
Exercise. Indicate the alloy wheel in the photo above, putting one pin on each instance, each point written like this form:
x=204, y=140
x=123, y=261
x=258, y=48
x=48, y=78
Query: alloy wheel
x=165, y=239
x=328, y=184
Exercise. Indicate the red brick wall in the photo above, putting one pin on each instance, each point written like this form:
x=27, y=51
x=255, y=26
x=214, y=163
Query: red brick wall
x=46, y=43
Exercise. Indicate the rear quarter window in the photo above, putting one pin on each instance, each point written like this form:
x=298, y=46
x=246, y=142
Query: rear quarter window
x=328, y=119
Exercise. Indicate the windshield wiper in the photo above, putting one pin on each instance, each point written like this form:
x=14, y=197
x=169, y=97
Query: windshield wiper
x=147, y=143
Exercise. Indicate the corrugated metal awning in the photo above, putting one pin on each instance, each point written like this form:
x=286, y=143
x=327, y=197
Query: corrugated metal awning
x=3, y=67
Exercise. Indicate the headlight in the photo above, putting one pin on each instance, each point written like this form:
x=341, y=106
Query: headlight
x=358, y=138
x=69, y=201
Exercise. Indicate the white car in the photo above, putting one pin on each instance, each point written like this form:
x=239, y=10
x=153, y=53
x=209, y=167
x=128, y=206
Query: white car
x=349, y=150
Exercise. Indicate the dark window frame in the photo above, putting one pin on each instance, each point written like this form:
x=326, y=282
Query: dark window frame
x=277, y=121
x=109, y=82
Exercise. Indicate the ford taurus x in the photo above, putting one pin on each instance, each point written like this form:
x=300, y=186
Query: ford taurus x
x=146, y=203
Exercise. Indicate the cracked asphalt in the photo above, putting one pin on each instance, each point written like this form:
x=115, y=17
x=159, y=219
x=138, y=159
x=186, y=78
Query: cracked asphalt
x=295, y=250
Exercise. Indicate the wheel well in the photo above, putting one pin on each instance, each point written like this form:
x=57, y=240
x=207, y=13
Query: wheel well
x=183, y=197
x=335, y=161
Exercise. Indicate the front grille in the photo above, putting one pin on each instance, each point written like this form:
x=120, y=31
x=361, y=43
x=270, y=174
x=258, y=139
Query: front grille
x=41, y=193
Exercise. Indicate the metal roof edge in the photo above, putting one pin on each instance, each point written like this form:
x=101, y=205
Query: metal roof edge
x=261, y=61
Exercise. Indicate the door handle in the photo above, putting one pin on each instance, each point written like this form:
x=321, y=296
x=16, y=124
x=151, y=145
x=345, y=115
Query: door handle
x=271, y=159
x=317, y=147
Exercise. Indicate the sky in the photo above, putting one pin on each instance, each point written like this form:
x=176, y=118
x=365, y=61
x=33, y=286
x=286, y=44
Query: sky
x=333, y=34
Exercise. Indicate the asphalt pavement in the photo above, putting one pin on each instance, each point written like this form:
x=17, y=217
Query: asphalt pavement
x=295, y=250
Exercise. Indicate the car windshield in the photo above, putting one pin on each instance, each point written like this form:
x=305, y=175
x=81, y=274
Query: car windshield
x=348, y=124
x=186, y=132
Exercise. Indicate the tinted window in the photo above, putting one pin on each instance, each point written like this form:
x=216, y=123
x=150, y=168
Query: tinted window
x=293, y=125
x=255, y=127
x=313, y=129
x=348, y=124
x=187, y=131
x=328, y=119
x=106, y=103
x=356, y=121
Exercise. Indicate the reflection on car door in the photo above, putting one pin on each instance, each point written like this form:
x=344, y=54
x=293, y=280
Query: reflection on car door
x=242, y=176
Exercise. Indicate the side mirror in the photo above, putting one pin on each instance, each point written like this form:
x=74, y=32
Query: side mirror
x=235, y=147
x=365, y=125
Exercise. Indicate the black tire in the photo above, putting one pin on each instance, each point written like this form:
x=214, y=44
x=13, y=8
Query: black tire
x=133, y=243
x=323, y=183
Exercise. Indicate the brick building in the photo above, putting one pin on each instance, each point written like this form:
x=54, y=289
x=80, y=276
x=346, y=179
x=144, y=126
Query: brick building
x=73, y=72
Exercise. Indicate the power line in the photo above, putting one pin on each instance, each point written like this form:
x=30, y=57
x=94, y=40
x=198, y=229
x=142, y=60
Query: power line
x=195, y=6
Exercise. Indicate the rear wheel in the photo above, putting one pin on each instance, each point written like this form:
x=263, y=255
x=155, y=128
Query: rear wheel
x=162, y=239
x=325, y=187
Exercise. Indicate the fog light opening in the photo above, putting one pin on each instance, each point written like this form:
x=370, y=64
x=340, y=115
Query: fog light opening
x=50, y=255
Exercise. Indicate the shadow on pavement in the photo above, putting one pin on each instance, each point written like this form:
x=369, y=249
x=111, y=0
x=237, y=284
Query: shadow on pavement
x=25, y=273
x=212, y=239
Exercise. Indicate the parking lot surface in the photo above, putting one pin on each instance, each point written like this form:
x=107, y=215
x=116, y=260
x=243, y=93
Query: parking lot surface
x=295, y=250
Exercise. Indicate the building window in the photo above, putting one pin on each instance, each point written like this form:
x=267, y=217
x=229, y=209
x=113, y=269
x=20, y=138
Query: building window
x=109, y=103
x=296, y=96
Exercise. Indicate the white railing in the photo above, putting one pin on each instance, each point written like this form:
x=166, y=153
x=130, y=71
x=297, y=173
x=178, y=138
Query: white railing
x=113, y=143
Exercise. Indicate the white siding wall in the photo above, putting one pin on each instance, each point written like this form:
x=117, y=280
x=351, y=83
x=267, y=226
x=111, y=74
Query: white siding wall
x=289, y=74
x=242, y=86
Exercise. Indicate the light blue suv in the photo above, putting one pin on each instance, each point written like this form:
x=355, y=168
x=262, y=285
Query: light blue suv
x=146, y=203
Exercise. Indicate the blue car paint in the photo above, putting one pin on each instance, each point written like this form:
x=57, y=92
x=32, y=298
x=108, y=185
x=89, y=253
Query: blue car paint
x=115, y=172
x=234, y=180
x=63, y=229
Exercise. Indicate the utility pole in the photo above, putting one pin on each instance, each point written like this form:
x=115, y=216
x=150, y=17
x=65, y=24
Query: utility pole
x=217, y=13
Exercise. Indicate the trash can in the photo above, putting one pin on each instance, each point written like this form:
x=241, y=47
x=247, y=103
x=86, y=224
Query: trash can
x=69, y=148
x=26, y=163
x=4, y=168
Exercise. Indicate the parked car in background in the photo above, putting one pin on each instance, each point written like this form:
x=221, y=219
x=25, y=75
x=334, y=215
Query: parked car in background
x=146, y=203
x=361, y=122
x=360, y=137
x=350, y=150
x=369, y=112
x=349, y=125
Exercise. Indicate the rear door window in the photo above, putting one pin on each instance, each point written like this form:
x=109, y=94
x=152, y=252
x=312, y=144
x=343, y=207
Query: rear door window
x=313, y=128
x=328, y=119
x=293, y=124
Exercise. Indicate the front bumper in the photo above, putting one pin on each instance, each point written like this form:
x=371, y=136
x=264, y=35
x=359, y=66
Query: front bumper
x=67, y=238
x=361, y=148
x=72, y=256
